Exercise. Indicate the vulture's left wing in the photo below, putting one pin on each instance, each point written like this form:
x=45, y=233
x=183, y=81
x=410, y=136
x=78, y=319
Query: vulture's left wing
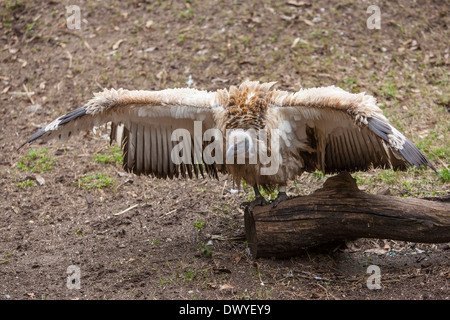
x=333, y=130
x=143, y=123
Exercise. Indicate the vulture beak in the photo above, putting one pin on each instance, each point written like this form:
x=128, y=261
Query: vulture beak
x=242, y=147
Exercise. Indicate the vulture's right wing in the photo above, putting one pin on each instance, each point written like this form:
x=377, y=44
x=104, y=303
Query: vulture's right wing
x=143, y=123
x=335, y=131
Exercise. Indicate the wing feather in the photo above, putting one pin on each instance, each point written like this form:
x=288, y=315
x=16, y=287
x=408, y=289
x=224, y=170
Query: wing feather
x=337, y=152
x=124, y=146
x=354, y=129
x=131, y=147
x=147, y=150
x=172, y=169
x=165, y=153
x=146, y=119
x=160, y=152
x=139, y=149
x=194, y=165
x=353, y=148
x=343, y=153
x=154, y=152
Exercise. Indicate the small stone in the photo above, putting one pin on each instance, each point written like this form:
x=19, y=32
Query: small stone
x=89, y=199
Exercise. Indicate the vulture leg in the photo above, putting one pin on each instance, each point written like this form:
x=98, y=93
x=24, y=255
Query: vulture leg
x=259, y=200
x=282, y=196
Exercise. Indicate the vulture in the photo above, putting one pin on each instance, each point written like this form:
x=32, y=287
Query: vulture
x=251, y=131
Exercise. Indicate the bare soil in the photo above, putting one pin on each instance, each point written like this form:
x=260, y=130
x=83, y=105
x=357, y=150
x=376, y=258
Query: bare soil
x=184, y=239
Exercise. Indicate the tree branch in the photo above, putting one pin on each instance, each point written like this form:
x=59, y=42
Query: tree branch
x=340, y=211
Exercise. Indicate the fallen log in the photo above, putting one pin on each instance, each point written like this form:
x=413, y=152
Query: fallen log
x=340, y=211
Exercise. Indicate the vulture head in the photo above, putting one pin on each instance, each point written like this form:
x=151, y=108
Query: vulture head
x=241, y=145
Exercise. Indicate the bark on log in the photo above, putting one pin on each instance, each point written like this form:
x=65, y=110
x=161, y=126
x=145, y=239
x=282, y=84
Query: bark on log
x=340, y=211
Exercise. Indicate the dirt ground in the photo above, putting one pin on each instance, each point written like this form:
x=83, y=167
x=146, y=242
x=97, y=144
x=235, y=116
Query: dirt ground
x=184, y=239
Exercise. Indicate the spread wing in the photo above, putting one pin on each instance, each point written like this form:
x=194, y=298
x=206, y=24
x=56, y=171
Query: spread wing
x=333, y=130
x=142, y=122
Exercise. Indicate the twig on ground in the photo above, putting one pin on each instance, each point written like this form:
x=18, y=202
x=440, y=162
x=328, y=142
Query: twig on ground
x=126, y=210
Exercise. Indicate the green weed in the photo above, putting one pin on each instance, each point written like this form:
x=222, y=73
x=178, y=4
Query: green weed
x=199, y=225
x=25, y=184
x=113, y=155
x=205, y=250
x=95, y=181
x=444, y=174
x=36, y=161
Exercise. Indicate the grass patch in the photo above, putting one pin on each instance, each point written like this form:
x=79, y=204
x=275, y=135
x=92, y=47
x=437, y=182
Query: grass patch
x=113, y=155
x=8, y=256
x=444, y=174
x=199, y=225
x=205, y=250
x=154, y=242
x=390, y=90
x=410, y=183
x=25, y=184
x=163, y=282
x=13, y=4
x=36, y=160
x=95, y=181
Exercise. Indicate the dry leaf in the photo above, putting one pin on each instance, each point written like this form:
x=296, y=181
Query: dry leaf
x=226, y=287
x=296, y=41
x=6, y=89
x=88, y=46
x=117, y=44
x=308, y=22
x=298, y=3
x=160, y=75
x=399, y=97
x=24, y=62
x=376, y=251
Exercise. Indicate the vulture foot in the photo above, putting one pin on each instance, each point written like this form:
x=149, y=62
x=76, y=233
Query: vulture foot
x=259, y=201
x=282, y=196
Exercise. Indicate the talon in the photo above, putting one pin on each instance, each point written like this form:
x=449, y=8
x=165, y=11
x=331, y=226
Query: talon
x=259, y=201
x=282, y=196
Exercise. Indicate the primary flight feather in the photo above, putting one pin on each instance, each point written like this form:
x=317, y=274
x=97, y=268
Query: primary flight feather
x=326, y=129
